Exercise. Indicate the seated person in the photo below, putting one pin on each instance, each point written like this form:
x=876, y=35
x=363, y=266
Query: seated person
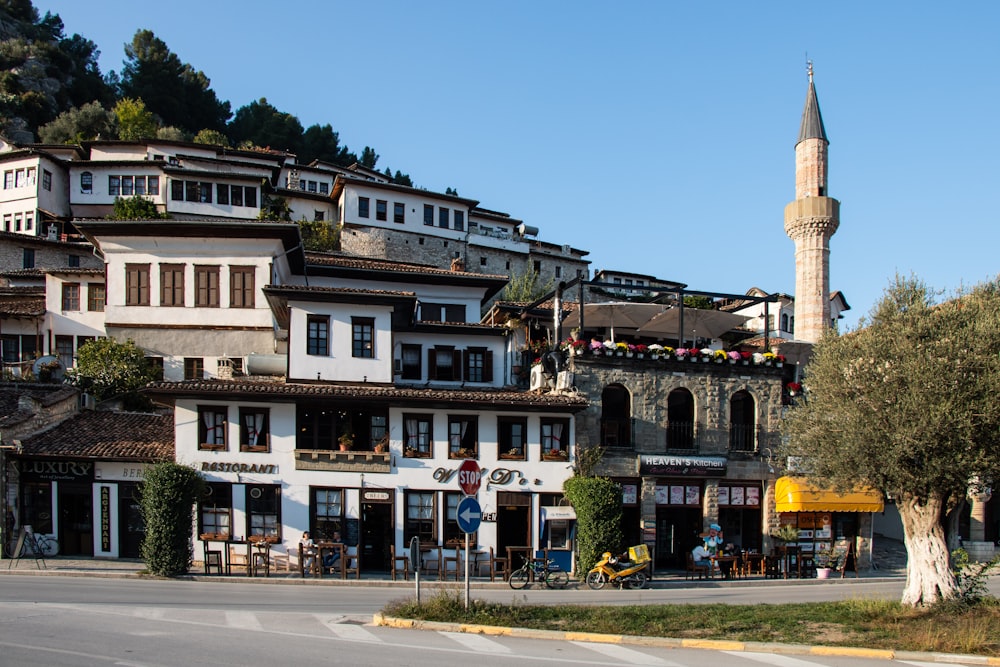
x=331, y=557
x=702, y=556
x=730, y=549
x=308, y=552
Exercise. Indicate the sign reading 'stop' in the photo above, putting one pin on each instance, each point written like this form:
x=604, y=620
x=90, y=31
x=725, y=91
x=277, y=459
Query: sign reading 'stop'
x=469, y=476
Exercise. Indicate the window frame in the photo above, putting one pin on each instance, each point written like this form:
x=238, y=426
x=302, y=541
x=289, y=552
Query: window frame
x=363, y=337
x=259, y=433
x=411, y=371
x=86, y=183
x=419, y=444
x=477, y=364
x=97, y=296
x=71, y=297
x=194, y=368
x=209, y=432
x=171, y=285
x=510, y=445
x=318, y=335
x=242, y=286
x=551, y=441
x=428, y=215
x=381, y=210
x=263, y=510
x=331, y=521
x=420, y=516
x=137, y=284
x=206, y=294
x=460, y=438
x=364, y=207
x=399, y=212
x=444, y=221
x=217, y=502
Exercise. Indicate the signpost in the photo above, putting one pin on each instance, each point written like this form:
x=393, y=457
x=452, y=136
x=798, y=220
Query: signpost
x=468, y=514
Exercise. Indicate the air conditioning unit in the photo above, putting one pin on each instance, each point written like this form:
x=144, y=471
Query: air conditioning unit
x=564, y=381
x=538, y=378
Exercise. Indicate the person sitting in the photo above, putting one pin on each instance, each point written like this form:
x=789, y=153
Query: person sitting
x=331, y=558
x=308, y=550
x=702, y=556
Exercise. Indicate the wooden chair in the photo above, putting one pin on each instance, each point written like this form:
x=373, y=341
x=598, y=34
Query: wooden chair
x=691, y=569
x=238, y=558
x=494, y=564
x=431, y=557
x=352, y=564
x=400, y=564
x=447, y=559
x=212, y=558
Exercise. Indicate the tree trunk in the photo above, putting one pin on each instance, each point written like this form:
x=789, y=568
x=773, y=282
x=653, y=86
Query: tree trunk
x=928, y=573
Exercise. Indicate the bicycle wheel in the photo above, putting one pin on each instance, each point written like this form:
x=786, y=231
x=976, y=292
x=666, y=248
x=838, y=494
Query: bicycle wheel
x=637, y=580
x=556, y=579
x=596, y=579
x=519, y=578
x=49, y=546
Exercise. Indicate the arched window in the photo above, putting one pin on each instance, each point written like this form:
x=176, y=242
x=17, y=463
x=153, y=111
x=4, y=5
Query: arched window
x=616, y=417
x=680, y=419
x=784, y=321
x=742, y=428
x=87, y=183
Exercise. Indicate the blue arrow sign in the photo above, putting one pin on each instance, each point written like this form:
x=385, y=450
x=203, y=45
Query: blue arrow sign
x=469, y=515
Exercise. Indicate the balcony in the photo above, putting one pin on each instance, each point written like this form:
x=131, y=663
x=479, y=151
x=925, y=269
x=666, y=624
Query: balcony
x=337, y=461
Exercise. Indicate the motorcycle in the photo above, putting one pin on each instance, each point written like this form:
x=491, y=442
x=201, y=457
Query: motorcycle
x=615, y=570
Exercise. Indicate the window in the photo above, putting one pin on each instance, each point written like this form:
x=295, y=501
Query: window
x=315, y=427
x=73, y=261
x=558, y=272
x=114, y=185
x=205, y=193
x=460, y=220
x=324, y=188
x=250, y=196
x=512, y=437
x=192, y=191
x=137, y=284
x=327, y=513
x=362, y=207
x=8, y=179
x=363, y=337
x=236, y=195
x=318, y=335
x=482, y=261
x=28, y=259
x=428, y=215
x=680, y=419
x=171, y=284
x=7, y=219
x=215, y=510
x=241, y=287
x=222, y=193
x=211, y=426
x=177, y=190
x=463, y=436
x=64, y=350
x=140, y=185
x=554, y=433
x=96, y=297
x=742, y=427
x=418, y=438
x=443, y=217
x=420, y=513
x=18, y=218
x=71, y=296
x=399, y=212
x=264, y=510
x=381, y=209
x=378, y=430
x=443, y=363
x=442, y=312
x=194, y=368
x=411, y=369
x=206, y=286
x=153, y=185
x=478, y=365
x=255, y=433
x=156, y=365
x=537, y=266
x=311, y=186
x=46, y=179
x=318, y=216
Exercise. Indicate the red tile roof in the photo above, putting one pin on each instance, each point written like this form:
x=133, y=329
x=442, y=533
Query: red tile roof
x=123, y=436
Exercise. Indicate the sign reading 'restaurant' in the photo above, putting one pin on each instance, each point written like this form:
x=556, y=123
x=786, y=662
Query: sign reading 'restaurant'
x=681, y=465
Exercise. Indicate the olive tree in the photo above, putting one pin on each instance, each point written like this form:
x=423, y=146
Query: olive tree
x=906, y=404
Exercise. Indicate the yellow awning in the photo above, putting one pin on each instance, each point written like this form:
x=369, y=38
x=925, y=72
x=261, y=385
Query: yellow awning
x=795, y=494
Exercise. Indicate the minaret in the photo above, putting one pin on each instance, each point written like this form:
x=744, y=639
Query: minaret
x=810, y=221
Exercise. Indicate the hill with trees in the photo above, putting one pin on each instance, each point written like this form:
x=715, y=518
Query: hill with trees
x=52, y=91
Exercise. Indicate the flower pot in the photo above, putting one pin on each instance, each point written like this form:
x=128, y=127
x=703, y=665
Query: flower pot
x=823, y=572
x=629, y=354
x=779, y=364
x=642, y=355
x=732, y=362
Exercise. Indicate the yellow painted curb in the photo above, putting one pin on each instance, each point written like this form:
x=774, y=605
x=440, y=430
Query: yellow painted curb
x=494, y=630
x=874, y=653
x=597, y=638
x=715, y=644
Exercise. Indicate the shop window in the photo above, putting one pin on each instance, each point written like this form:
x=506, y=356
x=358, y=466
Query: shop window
x=418, y=436
x=512, y=437
x=215, y=510
x=616, y=412
x=212, y=422
x=420, y=517
x=742, y=429
x=36, y=509
x=264, y=510
x=327, y=513
x=255, y=433
x=463, y=437
x=680, y=419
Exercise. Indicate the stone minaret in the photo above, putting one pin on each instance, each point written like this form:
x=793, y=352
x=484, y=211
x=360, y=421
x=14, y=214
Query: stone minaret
x=810, y=221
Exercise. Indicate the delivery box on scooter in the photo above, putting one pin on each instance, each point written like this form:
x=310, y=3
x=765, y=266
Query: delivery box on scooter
x=639, y=554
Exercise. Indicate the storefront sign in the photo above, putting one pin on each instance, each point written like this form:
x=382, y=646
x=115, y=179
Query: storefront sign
x=67, y=471
x=118, y=471
x=375, y=496
x=495, y=477
x=689, y=466
x=250, y=468
x=105, y=518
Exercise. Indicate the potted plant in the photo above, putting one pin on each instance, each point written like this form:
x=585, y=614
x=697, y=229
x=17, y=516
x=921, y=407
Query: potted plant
x=827, y=562
x=786, y=533
x=346, y=441
x=382, y=446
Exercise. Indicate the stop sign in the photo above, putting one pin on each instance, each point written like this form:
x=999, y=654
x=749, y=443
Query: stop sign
x=468, y=477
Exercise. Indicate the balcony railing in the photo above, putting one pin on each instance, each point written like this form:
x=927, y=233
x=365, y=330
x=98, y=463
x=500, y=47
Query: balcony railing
x=349, y=461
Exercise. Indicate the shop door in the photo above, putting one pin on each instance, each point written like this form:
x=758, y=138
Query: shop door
x=677, y=532
x=131, y=528
x=376, y=535
x=76, y=520
x=513, y=529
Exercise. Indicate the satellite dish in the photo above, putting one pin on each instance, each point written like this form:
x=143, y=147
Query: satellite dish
x=48, y=363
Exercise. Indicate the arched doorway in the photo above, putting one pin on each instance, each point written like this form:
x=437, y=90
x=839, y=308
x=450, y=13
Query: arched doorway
x=616, y=417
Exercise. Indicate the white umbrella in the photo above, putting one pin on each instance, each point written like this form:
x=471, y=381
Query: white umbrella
x=705, y=323
x=614, y=314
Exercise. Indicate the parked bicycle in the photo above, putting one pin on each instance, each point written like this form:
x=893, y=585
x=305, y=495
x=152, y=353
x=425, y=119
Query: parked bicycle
x=546, y=571
x=46, y=545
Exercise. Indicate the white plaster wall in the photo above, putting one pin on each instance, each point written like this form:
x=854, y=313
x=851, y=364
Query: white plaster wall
x=340, y=365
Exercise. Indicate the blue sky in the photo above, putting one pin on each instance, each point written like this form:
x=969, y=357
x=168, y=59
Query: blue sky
x=657, y=135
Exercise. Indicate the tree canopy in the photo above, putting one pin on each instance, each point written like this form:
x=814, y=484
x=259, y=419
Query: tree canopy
x=526, y=287
x=906, y=404
x=90, y=121
x=108, y=369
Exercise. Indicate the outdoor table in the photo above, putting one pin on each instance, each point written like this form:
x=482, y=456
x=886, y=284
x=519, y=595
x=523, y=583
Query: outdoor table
x=249, y=557
x=727, y=566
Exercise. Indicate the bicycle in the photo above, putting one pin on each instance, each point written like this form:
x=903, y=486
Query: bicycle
x=548, y=572
x=45, y=545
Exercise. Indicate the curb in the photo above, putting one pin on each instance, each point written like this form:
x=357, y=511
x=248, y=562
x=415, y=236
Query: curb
x=670, y=642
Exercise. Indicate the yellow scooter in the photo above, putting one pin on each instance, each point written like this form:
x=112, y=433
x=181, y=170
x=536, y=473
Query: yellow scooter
x=625, y=574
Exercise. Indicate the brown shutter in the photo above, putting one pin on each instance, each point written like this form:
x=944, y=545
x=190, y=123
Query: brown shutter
x=488, y=366
x=457, y=365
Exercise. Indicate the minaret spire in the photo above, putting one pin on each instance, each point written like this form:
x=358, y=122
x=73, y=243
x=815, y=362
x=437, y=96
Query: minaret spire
x=810, y=221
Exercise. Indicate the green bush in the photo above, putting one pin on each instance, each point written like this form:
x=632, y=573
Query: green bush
x=169, y=493
x=598, y=505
